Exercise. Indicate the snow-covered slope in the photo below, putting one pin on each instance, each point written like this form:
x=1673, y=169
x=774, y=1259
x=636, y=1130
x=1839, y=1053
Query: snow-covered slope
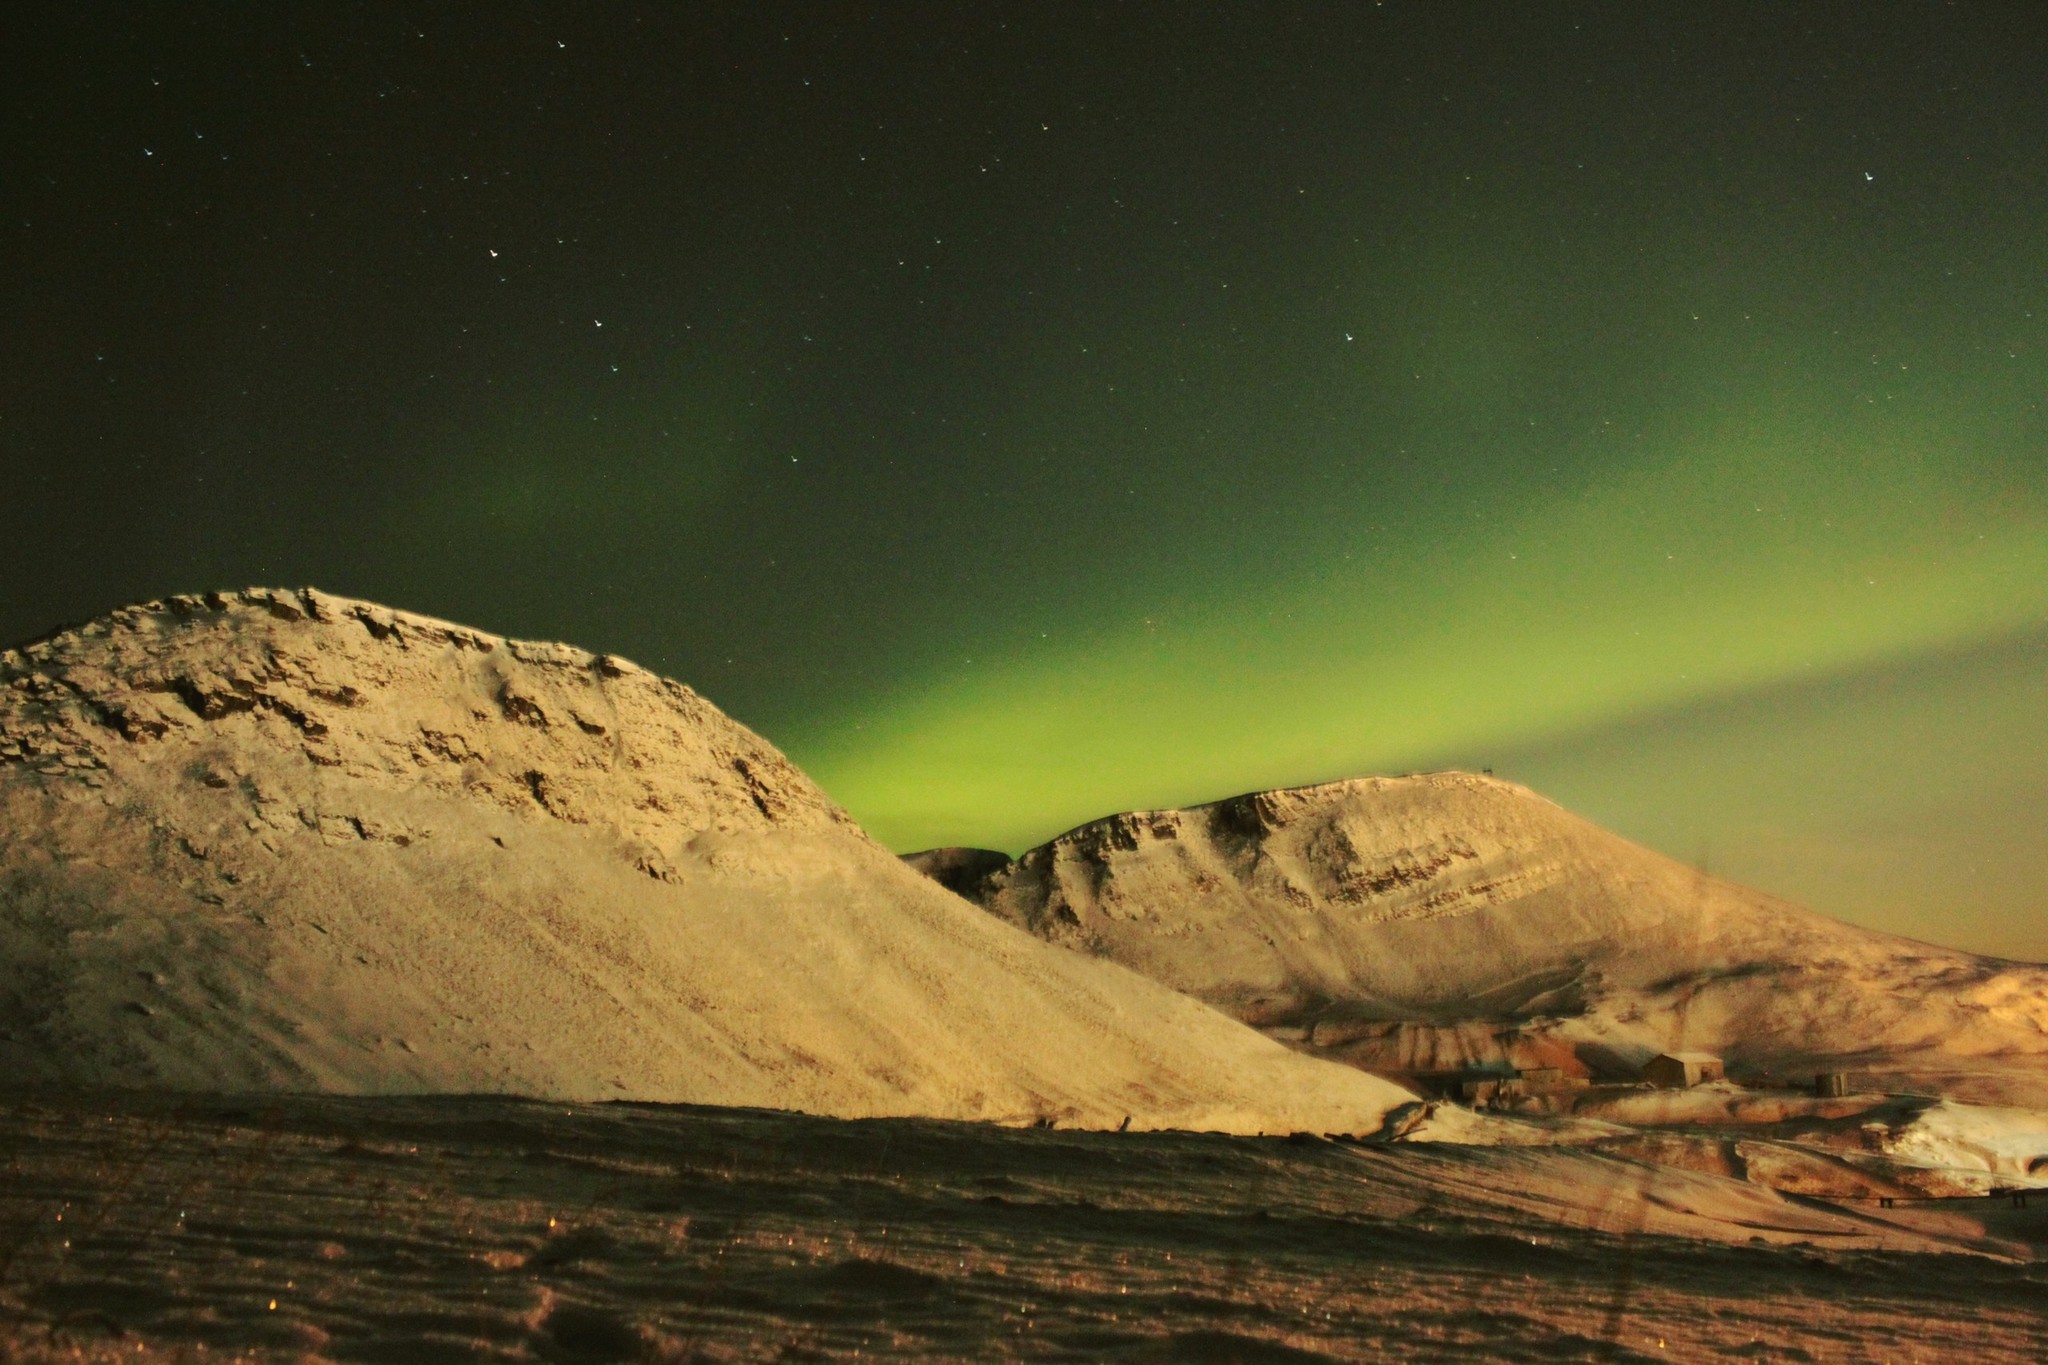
x=1417, y=923
x=283, y=840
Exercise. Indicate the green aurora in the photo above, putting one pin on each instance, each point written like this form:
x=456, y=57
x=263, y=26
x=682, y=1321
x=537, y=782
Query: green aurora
x=1769, y=490
x=1781, y=560
x=1663, y=590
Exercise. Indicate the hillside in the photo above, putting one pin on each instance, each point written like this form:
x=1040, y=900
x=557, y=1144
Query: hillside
x=280, y=840
x=1427, y=923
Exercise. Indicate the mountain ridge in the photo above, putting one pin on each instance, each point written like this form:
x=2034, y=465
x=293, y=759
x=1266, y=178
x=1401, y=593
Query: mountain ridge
x=1438, y=921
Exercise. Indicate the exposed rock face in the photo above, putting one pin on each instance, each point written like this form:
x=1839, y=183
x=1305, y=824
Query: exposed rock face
x=962, y=871
x=283, y=840
x=1423, y=923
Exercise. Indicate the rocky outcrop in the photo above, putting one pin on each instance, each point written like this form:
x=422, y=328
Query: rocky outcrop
x=962, y=871
x=391, y=701
x=285, y=840
x=1435, y=922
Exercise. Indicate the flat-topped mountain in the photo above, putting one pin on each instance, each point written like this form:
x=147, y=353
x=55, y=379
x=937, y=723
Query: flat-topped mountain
x=280, y=840
x=1427, y=923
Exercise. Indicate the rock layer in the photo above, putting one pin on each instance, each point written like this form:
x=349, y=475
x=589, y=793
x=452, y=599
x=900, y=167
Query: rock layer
x=280, y=840
x=1434, y=922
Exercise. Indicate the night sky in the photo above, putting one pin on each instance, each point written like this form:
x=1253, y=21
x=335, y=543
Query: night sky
x=1023, y=411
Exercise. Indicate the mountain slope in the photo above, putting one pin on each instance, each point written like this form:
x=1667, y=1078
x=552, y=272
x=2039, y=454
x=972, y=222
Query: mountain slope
x=283, y=840
x=1419, y=923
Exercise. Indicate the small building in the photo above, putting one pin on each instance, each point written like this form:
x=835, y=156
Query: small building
x=1831, y=1084
x=1678, y=1070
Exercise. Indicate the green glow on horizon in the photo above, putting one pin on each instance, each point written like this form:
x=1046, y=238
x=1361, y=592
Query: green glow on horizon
x=1735, y=563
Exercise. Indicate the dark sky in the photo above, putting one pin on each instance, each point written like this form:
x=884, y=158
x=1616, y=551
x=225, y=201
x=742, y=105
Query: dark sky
x=1019, y=412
